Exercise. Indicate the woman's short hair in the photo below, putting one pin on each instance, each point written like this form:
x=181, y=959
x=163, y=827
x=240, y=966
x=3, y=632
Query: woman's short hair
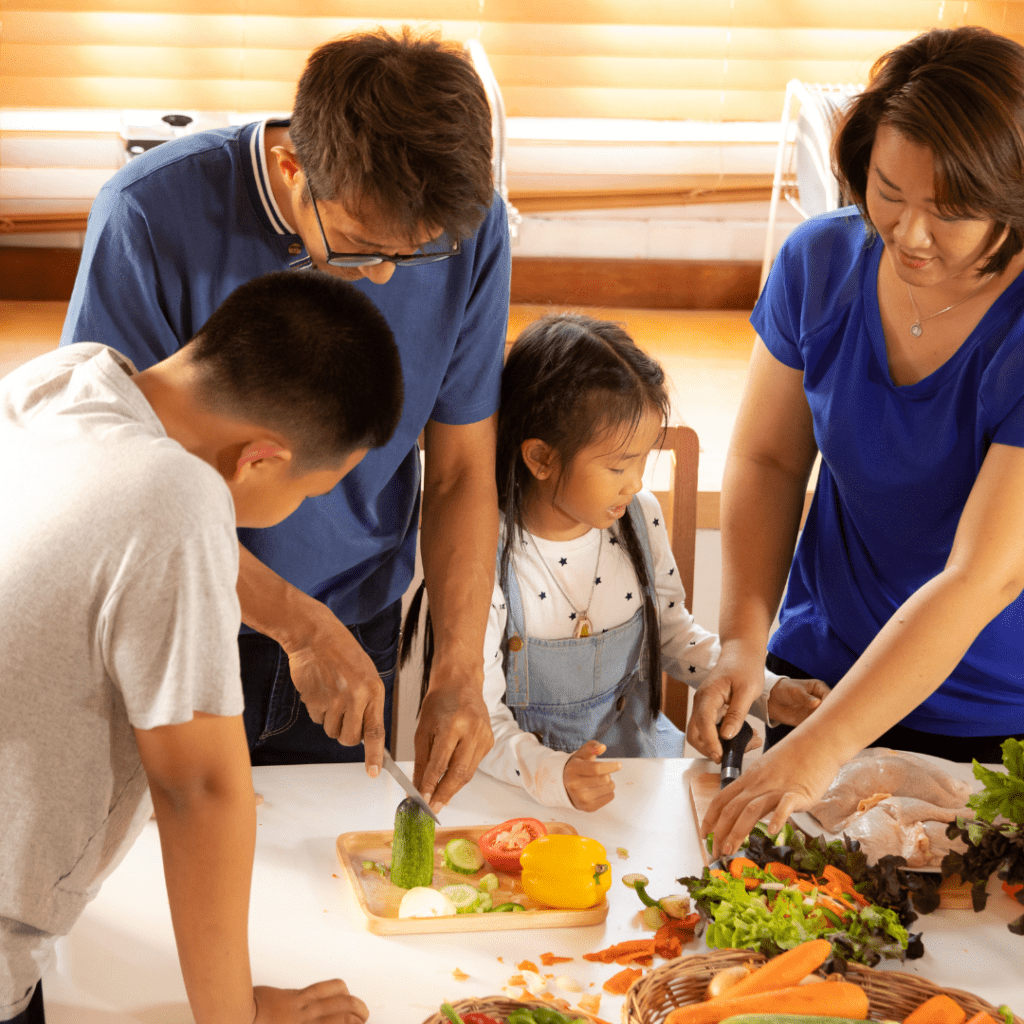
x=399, y=122
x=960, y=92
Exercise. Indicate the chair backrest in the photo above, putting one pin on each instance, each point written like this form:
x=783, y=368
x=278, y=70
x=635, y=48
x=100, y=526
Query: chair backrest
x=681, y=512
x=679, y=506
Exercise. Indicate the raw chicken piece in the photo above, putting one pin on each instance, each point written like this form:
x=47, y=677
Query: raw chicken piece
x=879, y=771
x=880, y=834
x=908, y=809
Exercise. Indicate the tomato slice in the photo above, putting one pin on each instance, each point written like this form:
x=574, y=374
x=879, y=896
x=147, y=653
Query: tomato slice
x=476, y=1017
x=503, y=844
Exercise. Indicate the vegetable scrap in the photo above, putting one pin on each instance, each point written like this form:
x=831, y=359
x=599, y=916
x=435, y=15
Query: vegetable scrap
x=995, y=838
x=549, y=959
x=460, y=975
x=666, y=943
x=619, y=984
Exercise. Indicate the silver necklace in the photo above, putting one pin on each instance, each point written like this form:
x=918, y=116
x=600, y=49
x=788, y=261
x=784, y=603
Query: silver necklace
x=584, y=627
x=916, y=329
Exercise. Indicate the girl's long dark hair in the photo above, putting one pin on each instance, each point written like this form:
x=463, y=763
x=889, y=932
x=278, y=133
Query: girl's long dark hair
x=568, y=380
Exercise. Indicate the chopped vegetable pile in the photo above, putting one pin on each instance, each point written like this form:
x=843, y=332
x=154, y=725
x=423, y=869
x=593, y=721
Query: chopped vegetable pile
x=995, y=839
x=776, y=896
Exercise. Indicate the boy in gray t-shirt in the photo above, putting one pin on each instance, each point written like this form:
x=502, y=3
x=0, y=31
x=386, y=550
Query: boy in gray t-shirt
x=118, y=654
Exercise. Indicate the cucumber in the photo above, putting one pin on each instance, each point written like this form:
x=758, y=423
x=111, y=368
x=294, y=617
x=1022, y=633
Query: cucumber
x=412, y=853
x=465, y=897
x=464, y=856
x=785, y=1018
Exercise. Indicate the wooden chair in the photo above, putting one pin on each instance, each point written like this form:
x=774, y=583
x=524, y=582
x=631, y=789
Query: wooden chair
x=679, y=506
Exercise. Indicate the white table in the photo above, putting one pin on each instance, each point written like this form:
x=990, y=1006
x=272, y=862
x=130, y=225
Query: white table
x=119, y=964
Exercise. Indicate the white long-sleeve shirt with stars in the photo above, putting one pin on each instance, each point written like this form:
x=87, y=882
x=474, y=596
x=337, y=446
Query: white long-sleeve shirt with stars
x=688, y=651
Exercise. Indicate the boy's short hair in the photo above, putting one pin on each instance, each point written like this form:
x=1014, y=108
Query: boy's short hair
x=307, y=355
x=398, y=122
x=960, y=92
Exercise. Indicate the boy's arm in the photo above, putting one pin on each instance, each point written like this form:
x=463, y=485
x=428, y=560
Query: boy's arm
x=201, y=784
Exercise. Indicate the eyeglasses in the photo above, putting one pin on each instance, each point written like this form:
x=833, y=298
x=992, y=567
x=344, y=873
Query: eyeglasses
x=433, y=252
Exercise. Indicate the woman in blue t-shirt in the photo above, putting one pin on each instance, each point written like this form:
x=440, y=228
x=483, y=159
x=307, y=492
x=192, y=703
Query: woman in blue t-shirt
x=891, y=341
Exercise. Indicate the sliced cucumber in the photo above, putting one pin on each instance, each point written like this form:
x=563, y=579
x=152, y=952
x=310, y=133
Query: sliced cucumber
x=505, y=908
x=464, y=856
x=483, y=904
x=488, y=883
x=465, y=897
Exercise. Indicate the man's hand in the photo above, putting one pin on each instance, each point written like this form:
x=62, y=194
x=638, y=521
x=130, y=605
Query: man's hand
x=326, y=1002
x=341, y=689
x=452, y=736
x=588, y=781
x=792, y=700
x=725, y=696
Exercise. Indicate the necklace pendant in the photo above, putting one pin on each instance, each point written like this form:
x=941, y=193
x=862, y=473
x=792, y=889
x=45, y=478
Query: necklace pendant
x=916, y=330
x=582, y=627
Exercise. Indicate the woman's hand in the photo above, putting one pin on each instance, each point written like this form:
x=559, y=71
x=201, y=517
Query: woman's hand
x=588, y=781
x=326, y=1002
x=725, y=696
x=792, y=700
x=790, y=777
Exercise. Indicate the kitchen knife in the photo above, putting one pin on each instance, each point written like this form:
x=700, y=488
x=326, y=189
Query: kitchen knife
x=403, y=780
x=732, y=754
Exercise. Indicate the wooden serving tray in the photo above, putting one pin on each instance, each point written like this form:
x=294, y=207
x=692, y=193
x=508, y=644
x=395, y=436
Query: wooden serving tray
x=378, y=899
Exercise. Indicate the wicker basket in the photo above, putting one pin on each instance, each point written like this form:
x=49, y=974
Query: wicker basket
x=498, y=1006
x=891, y=996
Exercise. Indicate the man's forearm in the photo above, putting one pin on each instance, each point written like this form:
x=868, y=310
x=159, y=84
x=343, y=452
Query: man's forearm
x=272, y=606
x=459, y=540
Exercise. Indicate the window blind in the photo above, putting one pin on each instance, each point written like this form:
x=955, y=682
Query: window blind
x=713, y=60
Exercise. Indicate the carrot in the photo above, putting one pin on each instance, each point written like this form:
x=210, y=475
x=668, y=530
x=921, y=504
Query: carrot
x=841, y=999
x=981, y=1017
x=940, y=1009
x=1012, y=890
x=548, y=959
x=784, y=970
x=619, y=984
x=782, y=872
x=527, y=965
x=645, y=947
x=736, y=867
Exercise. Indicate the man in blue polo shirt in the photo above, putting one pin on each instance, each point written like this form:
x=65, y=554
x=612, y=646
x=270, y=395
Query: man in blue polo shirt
x=382, y=176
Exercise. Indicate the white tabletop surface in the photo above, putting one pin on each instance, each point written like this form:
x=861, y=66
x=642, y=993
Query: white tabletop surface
x=119, y=964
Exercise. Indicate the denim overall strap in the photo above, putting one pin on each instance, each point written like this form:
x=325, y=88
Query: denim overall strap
x=517, y=676
x=568, y=691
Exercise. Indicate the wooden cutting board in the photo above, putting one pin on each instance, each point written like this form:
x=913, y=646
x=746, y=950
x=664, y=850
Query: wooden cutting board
x=378, y=898
x=703, y=789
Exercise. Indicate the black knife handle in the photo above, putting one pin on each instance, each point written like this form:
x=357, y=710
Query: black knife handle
x=732, y=754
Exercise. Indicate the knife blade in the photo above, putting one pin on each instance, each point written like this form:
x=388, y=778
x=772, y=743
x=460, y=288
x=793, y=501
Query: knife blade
x=732, y=754
x=403, y=780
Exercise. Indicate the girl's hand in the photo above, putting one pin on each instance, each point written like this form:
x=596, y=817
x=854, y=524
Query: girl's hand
x=792, y=700
x=588, y=781
x=327, y=1002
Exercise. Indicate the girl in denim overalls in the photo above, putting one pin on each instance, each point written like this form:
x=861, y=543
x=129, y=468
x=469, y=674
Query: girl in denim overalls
x=587, y=607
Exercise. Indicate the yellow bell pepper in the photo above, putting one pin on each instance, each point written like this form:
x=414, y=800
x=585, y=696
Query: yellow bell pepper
x=568, y=872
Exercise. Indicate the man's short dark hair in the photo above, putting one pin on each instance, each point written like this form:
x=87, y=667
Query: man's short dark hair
x=398, y=122
x=960, y=92
x=307, y=355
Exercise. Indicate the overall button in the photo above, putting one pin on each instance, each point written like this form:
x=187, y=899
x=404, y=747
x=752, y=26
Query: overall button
x=620, y=703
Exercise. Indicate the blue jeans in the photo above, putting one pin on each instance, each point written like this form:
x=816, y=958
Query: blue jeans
x=277, y=726
x=33, y=1013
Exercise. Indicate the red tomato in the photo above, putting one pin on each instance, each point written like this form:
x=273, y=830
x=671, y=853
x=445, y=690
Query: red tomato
x=478, y=1018
x=504, y=843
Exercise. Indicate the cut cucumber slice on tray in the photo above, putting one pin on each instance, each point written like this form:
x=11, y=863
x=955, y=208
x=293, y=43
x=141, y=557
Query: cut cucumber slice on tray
x=466, y=898
x=464, y=856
